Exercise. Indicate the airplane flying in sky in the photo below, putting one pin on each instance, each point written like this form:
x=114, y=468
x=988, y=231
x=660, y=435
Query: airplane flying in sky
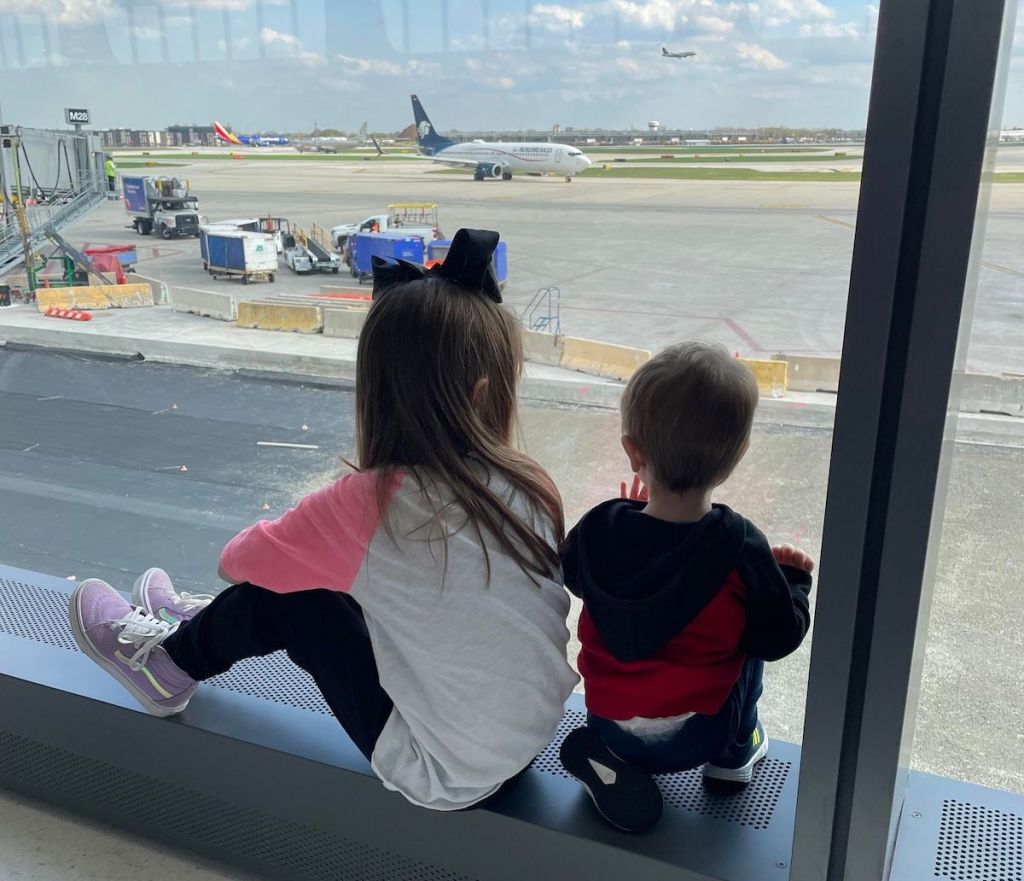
x=337, y=145
x=246, y=140
x=496, y=159
x=666, y=54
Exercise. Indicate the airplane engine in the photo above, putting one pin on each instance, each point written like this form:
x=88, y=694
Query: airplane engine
x=490, y=169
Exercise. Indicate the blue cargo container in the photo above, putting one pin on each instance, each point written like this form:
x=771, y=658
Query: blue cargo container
x=438, y=250
x=236, y=252
x=393, y=245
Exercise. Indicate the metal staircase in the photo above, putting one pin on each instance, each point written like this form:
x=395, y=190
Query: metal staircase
x=44, y=221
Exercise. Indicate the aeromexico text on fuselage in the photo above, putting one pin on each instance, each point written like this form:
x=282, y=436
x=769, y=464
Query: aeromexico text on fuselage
x=517, y=156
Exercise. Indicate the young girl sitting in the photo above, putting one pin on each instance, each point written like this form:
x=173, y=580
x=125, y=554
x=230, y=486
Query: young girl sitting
x=422, y=593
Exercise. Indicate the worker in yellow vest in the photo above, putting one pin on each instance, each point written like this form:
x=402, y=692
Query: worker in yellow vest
x=111, y=171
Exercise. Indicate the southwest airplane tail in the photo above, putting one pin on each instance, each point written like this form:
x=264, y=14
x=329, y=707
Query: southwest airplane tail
x=224, y=135
x=427, y=138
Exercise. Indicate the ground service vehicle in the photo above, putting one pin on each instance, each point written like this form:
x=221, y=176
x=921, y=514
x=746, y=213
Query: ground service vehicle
x=412, y=218
x=248, y=255
x=389, y=245
x=161, y=205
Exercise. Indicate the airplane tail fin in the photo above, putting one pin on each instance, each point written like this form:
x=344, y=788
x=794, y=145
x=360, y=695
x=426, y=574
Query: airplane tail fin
x=362, y=132
x=427, y=138
x=664, y=51
x=224, y=135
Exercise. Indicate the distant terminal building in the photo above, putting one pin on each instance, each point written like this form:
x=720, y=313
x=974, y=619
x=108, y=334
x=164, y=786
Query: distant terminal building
x=173, y=136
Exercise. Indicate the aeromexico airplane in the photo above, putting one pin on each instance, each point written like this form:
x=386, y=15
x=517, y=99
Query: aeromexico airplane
x=496, y=159
x=246, y=140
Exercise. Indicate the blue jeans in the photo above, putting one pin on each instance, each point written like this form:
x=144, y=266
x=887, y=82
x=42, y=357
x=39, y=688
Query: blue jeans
x=701, y=739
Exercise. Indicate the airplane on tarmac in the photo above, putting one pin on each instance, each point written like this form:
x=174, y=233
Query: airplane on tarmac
x=338, y=145
x=246, y=140
x=496, y=159
x=666, y=54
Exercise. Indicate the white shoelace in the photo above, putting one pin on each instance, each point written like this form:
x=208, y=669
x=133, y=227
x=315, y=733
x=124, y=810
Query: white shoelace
x=142, y=631
x=188, y=601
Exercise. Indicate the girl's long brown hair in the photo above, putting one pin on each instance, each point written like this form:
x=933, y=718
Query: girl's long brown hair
x=424, y=348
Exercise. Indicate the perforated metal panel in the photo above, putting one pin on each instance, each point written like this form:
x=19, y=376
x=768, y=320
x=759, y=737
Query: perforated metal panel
x=175, y=812
x=754, y=806
x=35, y=613
x=979, y=844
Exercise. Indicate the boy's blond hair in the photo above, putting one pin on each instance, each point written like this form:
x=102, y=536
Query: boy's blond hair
x=690, y=409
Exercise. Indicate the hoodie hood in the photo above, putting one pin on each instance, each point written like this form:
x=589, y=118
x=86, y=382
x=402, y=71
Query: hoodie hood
x=643, y=580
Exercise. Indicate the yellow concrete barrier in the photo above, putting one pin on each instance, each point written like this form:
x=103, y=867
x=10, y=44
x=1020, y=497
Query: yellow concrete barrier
x=811, y=373
x=281, y=316
x=112, y=296
x=770, y=376
x=602, y=359
x=543, y=348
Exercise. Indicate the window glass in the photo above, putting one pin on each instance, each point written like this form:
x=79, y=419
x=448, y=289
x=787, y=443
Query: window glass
x=973, y=666
x=723, y=143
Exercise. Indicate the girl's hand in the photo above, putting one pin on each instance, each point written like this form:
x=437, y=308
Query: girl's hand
x=638, y=492
x=787, y=555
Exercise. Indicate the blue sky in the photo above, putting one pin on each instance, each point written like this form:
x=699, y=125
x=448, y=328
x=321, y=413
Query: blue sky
x=283, y=64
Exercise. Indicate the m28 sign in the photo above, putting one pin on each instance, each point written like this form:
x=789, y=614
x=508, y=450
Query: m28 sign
x=76, y=116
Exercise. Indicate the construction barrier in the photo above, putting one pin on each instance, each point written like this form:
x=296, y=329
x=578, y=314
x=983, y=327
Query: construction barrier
x=770, y=376
x=293, y=317
x=543, y=348
x=73, y=314
x=345, y=323
x=602, y=359
x=988, y=393
x=121, y=296
x=811, y=373
x=209, y=304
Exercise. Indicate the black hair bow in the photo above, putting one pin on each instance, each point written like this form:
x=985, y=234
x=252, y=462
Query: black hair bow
x=468, y=264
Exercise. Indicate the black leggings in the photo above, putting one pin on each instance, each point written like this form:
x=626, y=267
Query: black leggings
x=321, y=630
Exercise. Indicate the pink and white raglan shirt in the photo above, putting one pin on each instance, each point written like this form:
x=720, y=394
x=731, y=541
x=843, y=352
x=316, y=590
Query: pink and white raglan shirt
x=477, y=671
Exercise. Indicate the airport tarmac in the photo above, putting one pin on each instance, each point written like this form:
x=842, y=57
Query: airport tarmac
x=760, y=267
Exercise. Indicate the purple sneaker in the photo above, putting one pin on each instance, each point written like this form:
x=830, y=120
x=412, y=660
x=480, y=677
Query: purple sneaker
x=125, y=641
x=155, y=593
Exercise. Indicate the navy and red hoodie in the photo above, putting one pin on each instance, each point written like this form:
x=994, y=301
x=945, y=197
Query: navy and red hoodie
x=672, y=610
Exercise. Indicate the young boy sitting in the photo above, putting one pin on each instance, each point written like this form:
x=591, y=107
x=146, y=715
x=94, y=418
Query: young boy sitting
x=683, y=600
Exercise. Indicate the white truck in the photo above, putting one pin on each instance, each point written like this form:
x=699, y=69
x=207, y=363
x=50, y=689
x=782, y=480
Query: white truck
x=412, y=218
x=161, y=205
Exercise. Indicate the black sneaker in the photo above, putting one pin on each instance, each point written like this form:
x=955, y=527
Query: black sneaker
x=736, y=764
x=625, y=795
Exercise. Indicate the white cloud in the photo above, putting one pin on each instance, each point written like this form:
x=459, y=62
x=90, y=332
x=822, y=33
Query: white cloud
x=270, y=37
x=714, y=25
x=775, y=13
x=353, y=66
x=69, y=12
x=830, y=30
x=556, y=18
x=664, y=14
x=759, y=57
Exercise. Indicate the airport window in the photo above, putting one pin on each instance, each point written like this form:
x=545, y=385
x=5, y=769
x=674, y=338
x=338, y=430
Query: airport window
x=981, y=499
x=193, y=193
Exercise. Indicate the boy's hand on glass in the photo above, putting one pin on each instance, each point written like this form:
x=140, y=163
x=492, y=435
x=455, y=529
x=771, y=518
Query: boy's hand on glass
x=787, y=555
x=637, y=493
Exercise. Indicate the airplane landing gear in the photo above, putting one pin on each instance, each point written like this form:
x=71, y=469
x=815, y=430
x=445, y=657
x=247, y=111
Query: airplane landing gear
x=506, y=175
x=568, y=178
